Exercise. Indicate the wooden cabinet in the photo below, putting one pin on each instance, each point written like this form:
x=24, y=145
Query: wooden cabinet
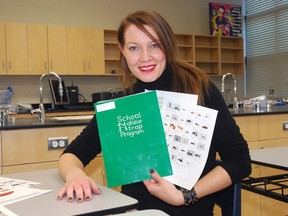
x=232, y=55
x=207, y=53
x=57, y=49
x=76, y=50
x=3, y=63
x=71, y=50
x=95, y=51
x=47, y=49
x=271, y=127
x=111, y=52
x=272, y=134
x=95, y=169
x=27, y=149
x=215, y=55
x=43, y=49
x=185, y=45
x=37, y=49
x=249, y=127
x=16, y=48
x=263, y=131
x=85, y=51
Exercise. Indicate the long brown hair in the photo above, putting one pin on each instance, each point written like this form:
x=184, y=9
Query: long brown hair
x=186, y=77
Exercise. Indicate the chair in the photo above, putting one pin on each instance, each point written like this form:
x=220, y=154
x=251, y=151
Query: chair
x=229, y=200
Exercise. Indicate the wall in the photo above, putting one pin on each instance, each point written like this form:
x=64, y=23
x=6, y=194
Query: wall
x=184, y=16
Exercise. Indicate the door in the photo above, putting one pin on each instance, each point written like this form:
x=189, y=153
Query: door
x=37, y=49
x=16, y=49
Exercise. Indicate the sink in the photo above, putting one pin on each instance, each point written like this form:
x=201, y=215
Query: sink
x=73, y=118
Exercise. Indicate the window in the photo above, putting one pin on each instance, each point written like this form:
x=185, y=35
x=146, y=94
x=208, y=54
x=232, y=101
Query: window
x=267, y=47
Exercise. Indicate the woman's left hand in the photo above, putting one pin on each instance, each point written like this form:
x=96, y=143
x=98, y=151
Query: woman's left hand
x=163, y=189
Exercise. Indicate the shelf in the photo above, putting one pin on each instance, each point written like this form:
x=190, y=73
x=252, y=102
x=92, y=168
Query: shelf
x=184, y=40
x=231, y=48
x=110, y=43
x=206, y=40
x=214, y=54
x=207, y=61
x=112, y=59
x=235, y=68
x=232, y=42
x=206, y=47
x=211, y=68
x=231, y=62
x=112, y=52
x=185, y=46
x=110, y=35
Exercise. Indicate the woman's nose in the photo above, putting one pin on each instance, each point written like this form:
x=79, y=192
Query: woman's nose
x=146, y=55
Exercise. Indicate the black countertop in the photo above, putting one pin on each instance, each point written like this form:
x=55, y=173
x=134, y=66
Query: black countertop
x=260, y=111
x=26, y=123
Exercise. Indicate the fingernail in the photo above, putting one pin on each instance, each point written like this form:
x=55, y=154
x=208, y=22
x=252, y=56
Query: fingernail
x=87, y=198
x=79, y=199
x=70, y=199
x=152, y=171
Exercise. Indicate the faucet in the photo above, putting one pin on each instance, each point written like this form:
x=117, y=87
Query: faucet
x=235, y=102
x=41, y=109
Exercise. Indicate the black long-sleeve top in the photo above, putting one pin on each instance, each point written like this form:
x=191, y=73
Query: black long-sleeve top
x=227, y=141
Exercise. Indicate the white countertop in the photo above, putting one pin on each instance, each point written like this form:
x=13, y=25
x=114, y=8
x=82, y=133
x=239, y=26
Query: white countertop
x=274, y=157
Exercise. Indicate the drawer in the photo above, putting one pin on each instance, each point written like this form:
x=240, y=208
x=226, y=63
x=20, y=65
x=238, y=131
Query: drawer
x=31, y=145
x=271, y=126
x=248, y=127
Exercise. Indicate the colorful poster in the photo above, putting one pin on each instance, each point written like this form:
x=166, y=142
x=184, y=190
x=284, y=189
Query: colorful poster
x=225, y=19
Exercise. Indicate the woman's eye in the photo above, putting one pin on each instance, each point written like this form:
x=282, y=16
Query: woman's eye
x=154, y=45
x=133, y=48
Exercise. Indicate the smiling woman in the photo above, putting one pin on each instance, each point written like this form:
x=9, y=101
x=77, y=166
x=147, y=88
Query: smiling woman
x=148, y=62
x=144, y=55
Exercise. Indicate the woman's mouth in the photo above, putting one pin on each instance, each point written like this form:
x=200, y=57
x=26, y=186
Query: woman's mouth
x=147, y=69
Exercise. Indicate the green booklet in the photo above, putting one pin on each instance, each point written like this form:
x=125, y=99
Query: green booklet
x=132, y=138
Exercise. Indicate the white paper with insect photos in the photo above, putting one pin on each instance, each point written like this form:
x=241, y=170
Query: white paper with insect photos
x=188, y=128
x=15, y=190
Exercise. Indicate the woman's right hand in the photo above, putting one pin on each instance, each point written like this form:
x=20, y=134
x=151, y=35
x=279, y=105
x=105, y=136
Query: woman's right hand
x=78, y=183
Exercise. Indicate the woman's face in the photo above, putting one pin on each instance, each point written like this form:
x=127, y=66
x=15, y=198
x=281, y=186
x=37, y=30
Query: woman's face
x=144, y=57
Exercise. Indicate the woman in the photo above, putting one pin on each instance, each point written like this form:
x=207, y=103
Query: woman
x=147, y=49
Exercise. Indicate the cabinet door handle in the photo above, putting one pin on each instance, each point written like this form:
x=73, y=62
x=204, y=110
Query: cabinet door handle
x=3, y=65
x=9, y=64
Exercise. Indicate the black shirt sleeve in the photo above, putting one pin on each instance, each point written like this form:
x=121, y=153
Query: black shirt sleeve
x=227, y=139
x=86, y=145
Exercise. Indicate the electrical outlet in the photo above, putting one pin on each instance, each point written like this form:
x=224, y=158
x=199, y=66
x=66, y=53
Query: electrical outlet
x=110, y=90
x=57, y=142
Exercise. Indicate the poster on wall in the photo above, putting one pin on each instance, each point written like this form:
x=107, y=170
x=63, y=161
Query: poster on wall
x=225, y=19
